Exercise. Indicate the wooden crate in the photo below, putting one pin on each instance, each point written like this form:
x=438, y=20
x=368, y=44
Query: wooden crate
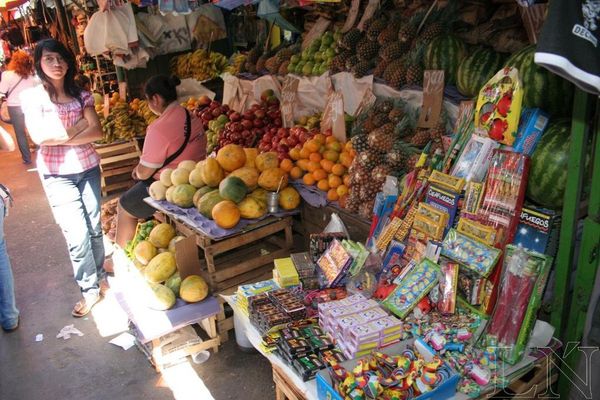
x=116, y=164
x=284, y=388
x=244, y=258
x=531, y=384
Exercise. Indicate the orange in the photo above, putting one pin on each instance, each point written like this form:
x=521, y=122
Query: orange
x=342, y=200
x=342, y=190
x=347, y=180
x=316, y=157
x=304, y=153
x=323, y=185
x=319, y=174
x=308, y=179
x=331, y=155
x=334, y=145
x=332, y=195
x=345, y=159
x=326, y=165
x=296, y=173
x=303, y=164
x=295, y=153
x=312, y=145
x=334, y=181
x=319, y=137
x=322, y=149
x=286, y=164
x=313, y=166
x=338, y=169
x=330, y=139
x=348, y=146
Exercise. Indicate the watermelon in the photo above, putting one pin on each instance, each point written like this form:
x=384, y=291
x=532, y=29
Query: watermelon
x=445, y=52
x=542, y=88
x=476, y=69
x=548, y=170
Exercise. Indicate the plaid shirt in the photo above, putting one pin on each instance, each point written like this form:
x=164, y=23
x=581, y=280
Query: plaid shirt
x=65, y=160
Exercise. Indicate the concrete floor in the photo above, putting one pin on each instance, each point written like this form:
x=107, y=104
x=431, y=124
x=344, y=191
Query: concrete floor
x=88, y=367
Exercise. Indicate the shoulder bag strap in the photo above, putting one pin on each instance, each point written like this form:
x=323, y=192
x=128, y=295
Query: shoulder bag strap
x=188, y=134
x=13, y=88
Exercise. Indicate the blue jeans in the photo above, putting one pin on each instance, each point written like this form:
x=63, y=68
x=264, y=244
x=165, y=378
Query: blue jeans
x=75, y=203
x=9, y=315
x=17, y=119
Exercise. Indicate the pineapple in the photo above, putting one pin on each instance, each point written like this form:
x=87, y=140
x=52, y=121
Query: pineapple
x=414, y=67
x=261, y=64
x=430, y=32
x=350, y=39
x=396, y=115
x=380, y=119
x=365, y=210
x=367, y=50
x=382, y=139
x=388, y=35
x=392, y=51
x=406, y=34
x=393, y=68
x=375, y=27
x=360, y=143
x=383, y=106
x=369, y=159
x=412, y=161
x=361, y=69
x=421, y=137
x=397, y=157
x=351, y=62
x=283, y=68
x=272, y=65
x=380, y=68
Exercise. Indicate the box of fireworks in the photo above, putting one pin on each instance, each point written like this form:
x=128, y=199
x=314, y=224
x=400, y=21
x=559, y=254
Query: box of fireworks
x=332, y=357
x=448, y=286
x=429, y=227
x=416, y=246
x=319, y=243
x=475, y=158
x=471, y=253
x=306, y=270
x=471, y=287
x=499, y=106
x=347, y=301
x=312, y=299
x=444, y=200
x=472, y=201
x=391, y=261
x=384, y=205
x=285, y=273
x=504, y=194
x=334, y=263
x=359, y=255
x=413, y=287
x=538, y=230
x=473, y=229
x=532, y=125
x=449, y=182
x=308, y=366
x=432, y=213
x=437, y=380
x=329, y=315
x=523, y=281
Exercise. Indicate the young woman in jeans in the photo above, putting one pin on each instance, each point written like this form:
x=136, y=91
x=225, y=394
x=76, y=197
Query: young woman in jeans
x=60, y=118
x=9, y=315
x=17, y=78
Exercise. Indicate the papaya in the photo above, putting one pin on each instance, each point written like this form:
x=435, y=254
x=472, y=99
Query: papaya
x=180, y=176
x=165, y=177
x=248, y=174
x=252, y=207
x=193, y=289
x=161, y=267
x=174, y=282
x=183, y=195
x=144, y=251
x=201, y=192
x=273, y=179
x=251, y=154
x=289, y=198
x=260, y=194
x=176, y=239
x=266, y=160
x=187, y=164
x=207, y=202
x=157, y=191
x=233, y=188
x=161, y=297
x=231, y=157
x=212, y=173
x=161, y=235
x=196, y=178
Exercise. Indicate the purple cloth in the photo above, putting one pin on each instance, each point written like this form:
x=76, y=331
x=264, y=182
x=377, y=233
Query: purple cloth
x=197, y=221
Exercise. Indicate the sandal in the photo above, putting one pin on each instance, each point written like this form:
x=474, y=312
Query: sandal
x=84, y=306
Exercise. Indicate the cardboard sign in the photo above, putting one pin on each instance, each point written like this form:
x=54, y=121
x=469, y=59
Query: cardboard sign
x=367, y=102
x=333, y=117
x=123, y=90
x=352, y=16
x=186, y=255
x=317, y=30
x=106, y=109
x=433, y=97
x=288, y=99
x=369, y=12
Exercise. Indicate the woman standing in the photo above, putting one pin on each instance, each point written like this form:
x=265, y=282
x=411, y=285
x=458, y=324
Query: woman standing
x=17, y=78
x=173, y=137
x=60, y=117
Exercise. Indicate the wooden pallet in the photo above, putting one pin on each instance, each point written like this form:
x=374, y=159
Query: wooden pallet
x=240, y=259
x=116, y=164
x=284, y=388
x=530, y=385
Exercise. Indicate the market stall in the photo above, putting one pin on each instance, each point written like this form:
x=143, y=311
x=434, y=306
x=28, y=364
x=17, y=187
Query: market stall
x=448, y=159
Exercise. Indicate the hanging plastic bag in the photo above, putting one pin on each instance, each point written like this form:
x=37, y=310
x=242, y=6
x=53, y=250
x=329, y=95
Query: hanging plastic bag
x=336, y=225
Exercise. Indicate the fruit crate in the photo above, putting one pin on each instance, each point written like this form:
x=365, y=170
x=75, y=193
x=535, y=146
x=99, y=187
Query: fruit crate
x=239, y=259
x=117, y=162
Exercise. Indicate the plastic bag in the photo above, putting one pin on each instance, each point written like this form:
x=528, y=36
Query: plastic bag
x=336, y=225
x=192, y=88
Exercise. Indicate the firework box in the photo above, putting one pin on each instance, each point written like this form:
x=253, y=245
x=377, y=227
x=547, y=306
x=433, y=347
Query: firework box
x=537, y=229
x=444, y=200
x=532, y=125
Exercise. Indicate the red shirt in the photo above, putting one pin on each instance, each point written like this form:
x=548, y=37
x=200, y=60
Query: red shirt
x=165, y=135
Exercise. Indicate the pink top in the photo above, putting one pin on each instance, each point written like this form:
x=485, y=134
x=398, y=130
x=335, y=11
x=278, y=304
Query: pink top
x=165, y=135
x=65, y=160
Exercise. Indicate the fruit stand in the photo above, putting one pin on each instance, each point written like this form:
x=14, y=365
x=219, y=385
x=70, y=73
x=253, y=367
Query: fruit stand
x=445, y=150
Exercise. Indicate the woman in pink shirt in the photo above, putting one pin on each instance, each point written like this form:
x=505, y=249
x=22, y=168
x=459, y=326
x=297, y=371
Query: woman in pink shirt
x=174, y=137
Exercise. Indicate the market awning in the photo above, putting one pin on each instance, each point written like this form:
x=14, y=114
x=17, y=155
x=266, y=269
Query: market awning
x=269, y=10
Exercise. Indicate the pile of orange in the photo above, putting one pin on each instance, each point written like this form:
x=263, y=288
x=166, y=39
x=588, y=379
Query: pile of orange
x=322, y=161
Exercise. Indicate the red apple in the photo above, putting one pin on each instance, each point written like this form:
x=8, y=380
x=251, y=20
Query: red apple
x=258, y=123
x=203, y=100
x=292, y=141
x=217, y=111
x=238, y=127
x=214, y=104
x=235, y=116
x=259, y=114
x=225, y=108
x=247, y=124
x=284, y=141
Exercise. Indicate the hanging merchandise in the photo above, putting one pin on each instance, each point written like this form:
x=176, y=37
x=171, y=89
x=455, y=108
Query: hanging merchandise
x=207, y=24
x=269, y=10
x=111, y=31
x=174, y=6
x=568, y=44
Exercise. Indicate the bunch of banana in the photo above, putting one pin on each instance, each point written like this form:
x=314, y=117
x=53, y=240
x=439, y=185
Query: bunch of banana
x=237, y=64
x=122, y=123
x=199, y=65
x=144, y=111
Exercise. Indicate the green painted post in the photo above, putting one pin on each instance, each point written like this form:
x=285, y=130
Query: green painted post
x=587, y=267
x=575, y=173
